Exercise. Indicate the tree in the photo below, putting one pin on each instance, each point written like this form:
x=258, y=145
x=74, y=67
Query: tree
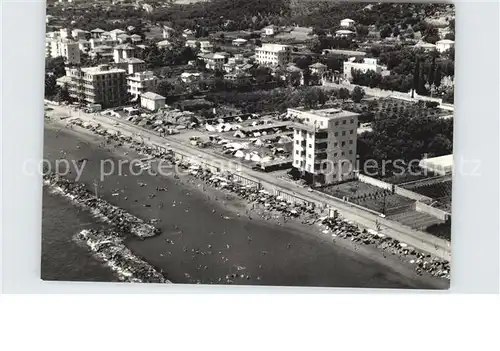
x=62, y=95
x=357, y=94
x=361, y=30
x=322, y=97
x=311, y=98
x=416, y=76
x=431, y=35
x=164, y=88
x=385, y=31
x=343, y=93
x=50, y=85
x=55, y=65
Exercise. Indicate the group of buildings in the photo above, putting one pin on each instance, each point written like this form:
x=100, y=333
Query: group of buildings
x=124, y=78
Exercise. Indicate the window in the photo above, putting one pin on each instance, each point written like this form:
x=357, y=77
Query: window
x=344, y=121
x=309, y=156
x=296, y=152
x=321, y=123
x=297, y=142
x=343, y=133
x=296, y=162
x=334, y=154
x=351, y=132
x=336, y=133
x=352, y=120
x=343, y=153
x=337, y=123
x=335, y=144
x=310, y=146
x=343, y=143
x=350, y=152
x=350, y=142
x=325, y=165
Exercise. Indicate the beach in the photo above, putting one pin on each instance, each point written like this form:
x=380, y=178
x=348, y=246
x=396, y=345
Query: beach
x=206, y=235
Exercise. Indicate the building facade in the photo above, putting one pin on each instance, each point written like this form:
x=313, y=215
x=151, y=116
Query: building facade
x=152, y=101
x=368, y=64
x=141, y=82
x=98, y=85
x=324, y=144
x=273, y=55
x=63, y=47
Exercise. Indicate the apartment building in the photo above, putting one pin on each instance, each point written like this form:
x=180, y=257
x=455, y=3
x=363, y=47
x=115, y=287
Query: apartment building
x=368, y=64
x=66, y=48
x=102, y=85
x=324, y=144
x=141, y=82
x=273, y=55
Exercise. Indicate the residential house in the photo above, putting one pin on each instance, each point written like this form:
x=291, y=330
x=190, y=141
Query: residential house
x=79, y=34
x=213, y=61
x=123, y=51
x=444, y=45
x=425, y=46
x=135, y=38
x=239, y=42
x=132, y=65
x=164, y=44
x=345, y=33
x=368, y=64
x=96, y=33
x=347, y=22
x=318, y=68
x=270, y=30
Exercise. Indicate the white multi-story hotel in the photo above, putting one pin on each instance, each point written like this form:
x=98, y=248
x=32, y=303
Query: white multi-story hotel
x=66, y=48
x=98, y=85
x=324, y=144
x=141, y=82
x=273, y=55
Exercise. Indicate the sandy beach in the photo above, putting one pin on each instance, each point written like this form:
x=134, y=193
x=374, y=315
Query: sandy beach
x=208, y=237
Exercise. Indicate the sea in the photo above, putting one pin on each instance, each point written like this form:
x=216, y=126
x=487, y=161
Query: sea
x=201, y=240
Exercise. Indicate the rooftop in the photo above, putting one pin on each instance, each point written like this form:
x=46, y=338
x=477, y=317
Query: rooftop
x=132, y=60
x=272, y=47
x=102, y=69
x=445, y=41
x=125, y=47
x=97, y=30
x=318, y=65
x=442, y=162
x=330, y=113
x=152, y=96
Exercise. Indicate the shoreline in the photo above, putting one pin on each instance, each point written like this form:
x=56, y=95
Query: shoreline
x=236, y=206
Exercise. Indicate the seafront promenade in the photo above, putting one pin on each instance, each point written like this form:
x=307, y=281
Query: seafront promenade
x=362, y=217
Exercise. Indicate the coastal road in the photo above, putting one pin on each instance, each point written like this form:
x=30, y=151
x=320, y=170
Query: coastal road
x=365, y=219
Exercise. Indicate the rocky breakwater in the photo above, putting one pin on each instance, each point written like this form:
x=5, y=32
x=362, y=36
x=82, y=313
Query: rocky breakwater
x=108, y=245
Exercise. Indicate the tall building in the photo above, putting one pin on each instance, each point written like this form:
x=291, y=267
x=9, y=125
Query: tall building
x=141, y=82
x=98, y=85
x=70, y=50
x=273, y=55
x=324, y=144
